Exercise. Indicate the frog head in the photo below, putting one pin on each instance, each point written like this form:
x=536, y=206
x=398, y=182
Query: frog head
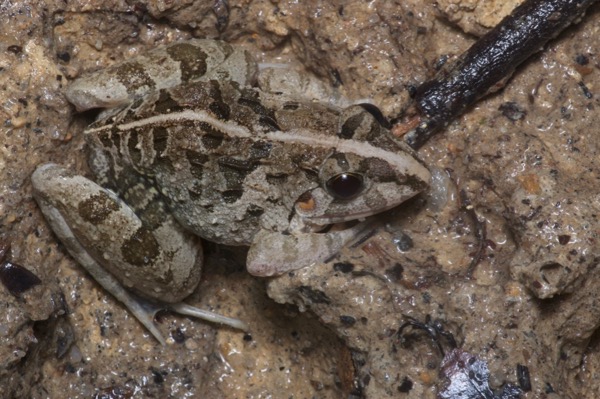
x=365, y=173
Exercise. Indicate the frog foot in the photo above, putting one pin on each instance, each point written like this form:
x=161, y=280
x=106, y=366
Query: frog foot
x=145, y=310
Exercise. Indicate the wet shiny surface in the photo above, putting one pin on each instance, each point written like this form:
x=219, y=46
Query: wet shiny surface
x=514, y=172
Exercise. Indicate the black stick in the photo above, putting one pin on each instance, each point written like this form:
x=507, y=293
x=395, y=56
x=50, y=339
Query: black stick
x=485, y=66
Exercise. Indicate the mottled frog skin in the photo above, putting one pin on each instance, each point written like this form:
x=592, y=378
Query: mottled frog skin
x=190, y=149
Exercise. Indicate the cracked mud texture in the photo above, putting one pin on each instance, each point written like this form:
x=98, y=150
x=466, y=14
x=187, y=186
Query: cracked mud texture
x=526, y=159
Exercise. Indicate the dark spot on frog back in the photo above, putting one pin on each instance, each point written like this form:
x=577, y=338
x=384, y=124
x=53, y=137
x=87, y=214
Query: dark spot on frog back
x=192, y=60
x=266, y=116
x=243, y=166
x=209, y=95
x=231, y=196
x=220, y=110
x=362, y=122
x=234, y=171
x=212, y=138
x=254, y=211
x=350, y=127
x=160, y=138
x=197, y=161
x=97, y=208
x=260, y=149
x=269, y=123
x=166, y=104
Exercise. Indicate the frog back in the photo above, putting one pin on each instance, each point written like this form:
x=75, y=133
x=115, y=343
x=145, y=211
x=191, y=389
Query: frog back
x=230, y=161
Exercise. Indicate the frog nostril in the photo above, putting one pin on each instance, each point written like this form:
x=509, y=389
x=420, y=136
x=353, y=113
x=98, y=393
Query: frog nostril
x=345, y=186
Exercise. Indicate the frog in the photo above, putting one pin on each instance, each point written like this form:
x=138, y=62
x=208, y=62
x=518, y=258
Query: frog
x=187, y=148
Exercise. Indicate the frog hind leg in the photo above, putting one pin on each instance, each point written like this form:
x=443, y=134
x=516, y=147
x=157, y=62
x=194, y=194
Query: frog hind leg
x=78, y=211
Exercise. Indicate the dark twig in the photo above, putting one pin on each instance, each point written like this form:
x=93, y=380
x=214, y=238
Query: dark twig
x=486, y=66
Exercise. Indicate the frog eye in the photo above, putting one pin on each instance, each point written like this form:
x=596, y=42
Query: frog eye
x=345, y=186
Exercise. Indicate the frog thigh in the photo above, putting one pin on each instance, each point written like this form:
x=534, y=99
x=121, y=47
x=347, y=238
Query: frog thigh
x=161, y=263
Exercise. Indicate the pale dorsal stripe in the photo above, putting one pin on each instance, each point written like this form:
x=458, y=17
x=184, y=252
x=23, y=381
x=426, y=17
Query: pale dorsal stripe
x=403, y=161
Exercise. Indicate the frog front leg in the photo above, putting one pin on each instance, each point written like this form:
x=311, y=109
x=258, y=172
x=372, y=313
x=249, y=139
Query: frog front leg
x=149, y=254
x=273, y=253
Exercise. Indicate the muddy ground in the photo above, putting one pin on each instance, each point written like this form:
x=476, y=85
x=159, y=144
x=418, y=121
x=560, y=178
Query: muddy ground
x=517, y=188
